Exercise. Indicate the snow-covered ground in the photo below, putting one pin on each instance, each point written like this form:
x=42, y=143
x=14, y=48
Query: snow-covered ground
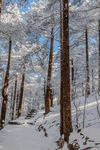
x=43, y=134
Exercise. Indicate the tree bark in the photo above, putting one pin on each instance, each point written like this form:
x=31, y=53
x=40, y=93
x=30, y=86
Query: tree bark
x=87, y=67
x=5, y=89
x=44, y=92
x=99, y=61
x=92, y=81
x=72, y=71
x=11, y=103
x=0, y=6
x=21, y=96
x=48, y=88
x=13, y=108
x=67, y=122
x=82, y=89
x=61, y=69
x=17, y=102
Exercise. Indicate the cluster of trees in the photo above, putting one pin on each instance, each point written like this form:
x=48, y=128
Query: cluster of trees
x=50, y=42
x=14, y=95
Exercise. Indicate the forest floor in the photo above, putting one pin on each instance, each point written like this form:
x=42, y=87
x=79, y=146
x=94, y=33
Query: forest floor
x=42, y=133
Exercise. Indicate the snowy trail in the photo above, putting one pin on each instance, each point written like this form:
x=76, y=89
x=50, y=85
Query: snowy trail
x=28, y=137
x=21, y=138
x=25, y=137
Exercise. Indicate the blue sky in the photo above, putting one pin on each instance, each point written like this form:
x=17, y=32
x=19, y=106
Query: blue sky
x=27, y=6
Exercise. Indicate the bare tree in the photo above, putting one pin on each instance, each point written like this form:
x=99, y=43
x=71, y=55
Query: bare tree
x=92, y=81
x=67, y=120
x=99, y=61
x=5, y=89
x=48, y=90
x=84, y=111
x=61, y=57
x=87, y=66
x=13, y=108
x=0, y=6
x=17, y=102
x=21, y=96
x=11, y=103
x=72, y=72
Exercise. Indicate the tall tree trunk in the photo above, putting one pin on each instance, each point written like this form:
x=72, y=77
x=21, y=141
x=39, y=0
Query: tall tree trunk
x=51, y=97
x=0, y=6
x=92, y=81
x=44, y=92
x=21, y=96
x=13, y=108
x=99, y=61
x=75, y=80
x=87, y=67
x=5, y=89
x=17, y=101
x=11, y=103
x=67, y=122
x=82, y=89
x=72, y=71
x=61, y=69
x=48, y=88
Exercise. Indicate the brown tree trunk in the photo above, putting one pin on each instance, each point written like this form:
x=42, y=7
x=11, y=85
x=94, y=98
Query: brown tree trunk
x=72, y=71
x=13, y=108
x=44, y=92
x=82, y=89
x=17, y=101
x=67, y=122
x=48, y=88
x=51, y=97
x=87, y=67
x=11, y=103
x=61, y=69
x=5, y=89
x=21, y=96
x=99, y=61
x=92, y=81
x=0, y=6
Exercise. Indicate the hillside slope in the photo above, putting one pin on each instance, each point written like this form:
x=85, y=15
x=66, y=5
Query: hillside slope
x=42, y=132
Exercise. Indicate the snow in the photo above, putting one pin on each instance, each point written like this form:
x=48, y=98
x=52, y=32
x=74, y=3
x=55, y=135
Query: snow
x=92, y=133
x=43, y=134
x=19, y=137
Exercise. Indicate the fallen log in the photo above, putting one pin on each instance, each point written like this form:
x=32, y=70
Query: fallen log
x=20, y=123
